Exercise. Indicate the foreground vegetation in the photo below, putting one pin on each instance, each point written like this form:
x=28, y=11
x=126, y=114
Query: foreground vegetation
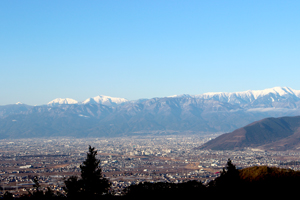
x=253, y=182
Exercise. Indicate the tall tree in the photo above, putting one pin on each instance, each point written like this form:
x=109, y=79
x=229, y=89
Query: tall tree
x=92, y=183
x=228, y=180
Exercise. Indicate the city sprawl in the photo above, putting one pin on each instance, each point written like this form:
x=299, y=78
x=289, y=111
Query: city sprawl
x=124, y=161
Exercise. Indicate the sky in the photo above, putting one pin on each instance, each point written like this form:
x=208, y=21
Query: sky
x=146, y=48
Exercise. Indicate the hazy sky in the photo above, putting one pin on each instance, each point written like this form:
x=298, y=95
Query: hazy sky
x=145, y=49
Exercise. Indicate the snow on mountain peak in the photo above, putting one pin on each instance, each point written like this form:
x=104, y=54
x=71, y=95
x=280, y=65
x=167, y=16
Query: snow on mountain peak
x=106, y=100
x=62, y=101
x=180, y=95
x=249, y=95
x=273, y=94
x=281, y=91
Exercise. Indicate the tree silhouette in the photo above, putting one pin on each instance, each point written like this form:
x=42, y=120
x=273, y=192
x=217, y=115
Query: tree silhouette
x=230, y=170
x=36, y=183
x=92, y=184
x=37, y=194
x=93, y=181
x=73, y=187
x=228, y=181
x=8, y=196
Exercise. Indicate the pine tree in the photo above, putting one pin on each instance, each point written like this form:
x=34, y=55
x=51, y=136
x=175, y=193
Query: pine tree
x=92, y=184
x=228, y=180
x=230, y=170
x=93, y=181
x=73, y=187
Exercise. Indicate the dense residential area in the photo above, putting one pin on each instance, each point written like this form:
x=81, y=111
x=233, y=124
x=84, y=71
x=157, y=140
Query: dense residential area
x=124, y=161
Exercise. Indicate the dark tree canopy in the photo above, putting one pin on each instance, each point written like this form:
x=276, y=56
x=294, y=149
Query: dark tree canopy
x=228, y=180
x=92, y=184
x=91, y=175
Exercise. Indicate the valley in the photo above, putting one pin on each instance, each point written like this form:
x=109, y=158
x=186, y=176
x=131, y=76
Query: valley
x=125, y=160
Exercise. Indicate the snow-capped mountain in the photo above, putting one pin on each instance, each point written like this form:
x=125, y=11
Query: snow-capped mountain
x=253, y=97
x=111, y=116
x=272, y=97
x=105, y=100
x=101, y=99
x=59, y=101
x=180, y=95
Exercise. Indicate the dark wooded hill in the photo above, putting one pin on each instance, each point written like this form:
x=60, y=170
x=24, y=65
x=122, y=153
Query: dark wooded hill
x=270, y=134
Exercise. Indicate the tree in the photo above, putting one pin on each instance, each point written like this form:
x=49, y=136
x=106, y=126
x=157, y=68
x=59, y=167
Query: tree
x=92, y=184
x=8, y=196
x=36, y=183
x=229, y=180
x=73, y=187
x=93, y=181
x=230, y=170
x=37, y=194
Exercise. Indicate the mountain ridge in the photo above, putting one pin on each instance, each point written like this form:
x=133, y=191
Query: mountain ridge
x=182, y=114
x=229, y=97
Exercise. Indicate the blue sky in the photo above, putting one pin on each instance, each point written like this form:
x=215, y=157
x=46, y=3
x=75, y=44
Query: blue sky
x=145, y=49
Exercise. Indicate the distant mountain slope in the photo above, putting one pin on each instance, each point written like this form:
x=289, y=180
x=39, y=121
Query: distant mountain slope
x=112, y=116
x=270, y=133
x=13, y=109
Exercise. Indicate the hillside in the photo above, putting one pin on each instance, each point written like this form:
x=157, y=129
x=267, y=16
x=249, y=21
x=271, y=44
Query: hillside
x=262, y=173
x=271, y=133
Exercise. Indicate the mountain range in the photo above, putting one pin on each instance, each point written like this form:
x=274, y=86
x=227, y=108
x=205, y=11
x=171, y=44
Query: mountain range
x=101, y=99
x=179, y=114
x=248, y=99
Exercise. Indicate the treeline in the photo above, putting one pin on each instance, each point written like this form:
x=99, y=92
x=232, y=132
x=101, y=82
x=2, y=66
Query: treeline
x=253, y=182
